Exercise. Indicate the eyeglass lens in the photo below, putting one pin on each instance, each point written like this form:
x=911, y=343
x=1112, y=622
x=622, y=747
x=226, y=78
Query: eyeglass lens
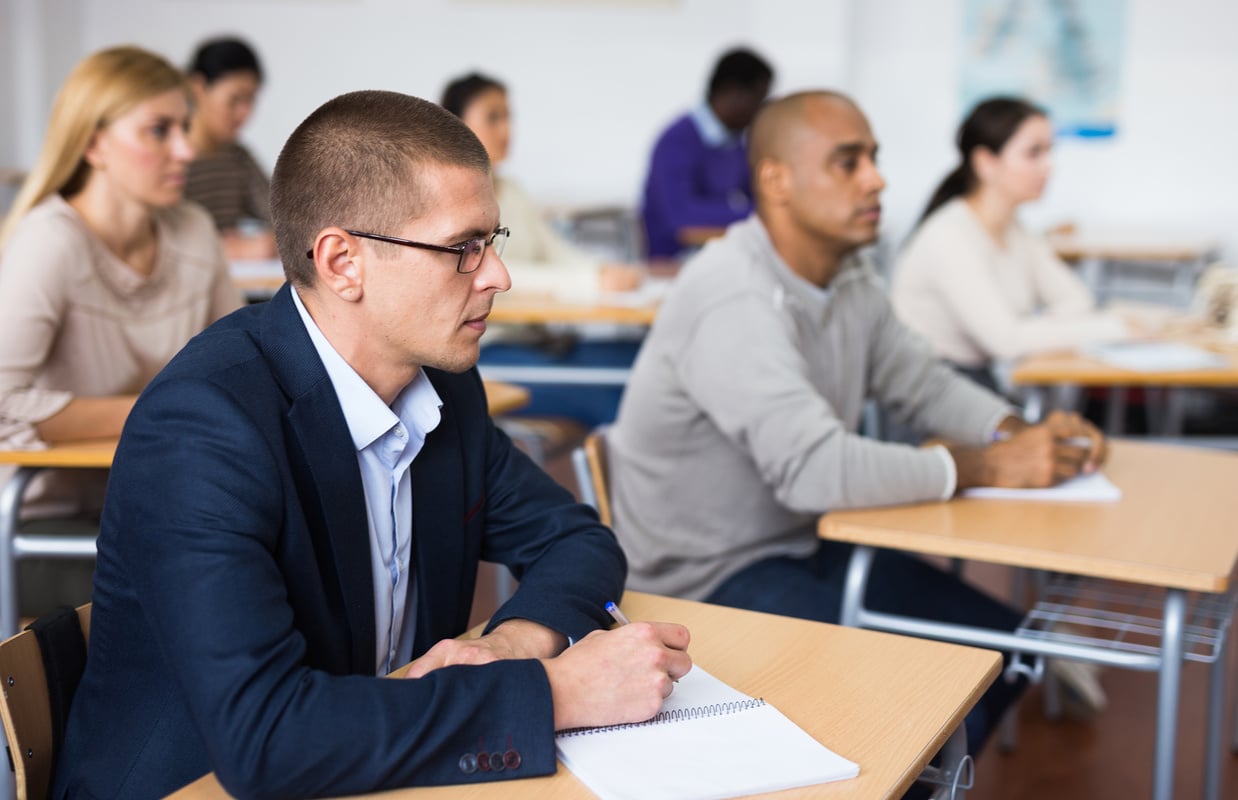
x=475, y=249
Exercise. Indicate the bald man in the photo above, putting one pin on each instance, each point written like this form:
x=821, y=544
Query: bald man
x=739, y=426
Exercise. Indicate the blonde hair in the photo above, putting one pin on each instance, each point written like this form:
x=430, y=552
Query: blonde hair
x=102, y=87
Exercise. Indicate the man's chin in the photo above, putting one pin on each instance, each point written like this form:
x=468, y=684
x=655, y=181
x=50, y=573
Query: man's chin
x=458, y=362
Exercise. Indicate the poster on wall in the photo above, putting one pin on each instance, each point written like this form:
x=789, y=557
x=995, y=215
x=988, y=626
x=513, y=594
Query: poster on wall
x=1065, y=55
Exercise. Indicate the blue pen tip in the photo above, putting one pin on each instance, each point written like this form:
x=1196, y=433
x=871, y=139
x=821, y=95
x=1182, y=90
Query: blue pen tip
x=610, y=605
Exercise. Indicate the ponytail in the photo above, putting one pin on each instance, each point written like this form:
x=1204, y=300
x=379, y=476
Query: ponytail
x=956, y=184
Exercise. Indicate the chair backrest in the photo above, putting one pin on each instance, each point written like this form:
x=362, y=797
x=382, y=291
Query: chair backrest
x=592, y=476
x=27, y=712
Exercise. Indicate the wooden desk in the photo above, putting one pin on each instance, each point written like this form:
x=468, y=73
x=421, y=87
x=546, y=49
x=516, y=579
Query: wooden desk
x=517, y=309
x=501, y=398
x=1173, y=528
x=1102, y=256
x=1038, y=372
x=257, y=279
x=638, y=308
x=886, y=702
x=504, y=398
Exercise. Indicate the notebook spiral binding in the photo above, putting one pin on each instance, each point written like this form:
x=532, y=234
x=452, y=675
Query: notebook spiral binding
x=674, y=715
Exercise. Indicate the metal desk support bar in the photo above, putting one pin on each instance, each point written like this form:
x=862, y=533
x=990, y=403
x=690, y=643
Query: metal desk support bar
x=590, y=376
x=957, y=773
x=1168, y=661
x=15, y=545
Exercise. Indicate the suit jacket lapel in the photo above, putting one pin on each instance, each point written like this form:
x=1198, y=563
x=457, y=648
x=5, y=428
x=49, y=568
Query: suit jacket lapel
x=328, y=479
x=437, y=474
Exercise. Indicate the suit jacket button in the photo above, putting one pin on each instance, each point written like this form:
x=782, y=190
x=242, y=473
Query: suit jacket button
x=497, y=762
x=511, y=759
x=468, y=763
x=483, y=761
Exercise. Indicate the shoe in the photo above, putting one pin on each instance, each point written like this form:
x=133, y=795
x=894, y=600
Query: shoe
x=1082, y=695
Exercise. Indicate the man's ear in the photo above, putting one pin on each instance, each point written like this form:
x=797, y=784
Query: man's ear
x=772, y=180
x=340, y=263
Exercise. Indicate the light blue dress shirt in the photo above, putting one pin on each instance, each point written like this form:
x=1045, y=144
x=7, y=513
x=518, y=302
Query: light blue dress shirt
x=387, y=439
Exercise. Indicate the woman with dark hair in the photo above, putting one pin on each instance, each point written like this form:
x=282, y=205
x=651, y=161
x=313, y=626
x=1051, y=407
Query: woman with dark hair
x=225, y=76
x=972, y=280
x=543, y=262
x=539, y=259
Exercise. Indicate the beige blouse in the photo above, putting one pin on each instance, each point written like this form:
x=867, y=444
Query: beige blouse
x=76, y=320
x=978, y=302
x=539, y=260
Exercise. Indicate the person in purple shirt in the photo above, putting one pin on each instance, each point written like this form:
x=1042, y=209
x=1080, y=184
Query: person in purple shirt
x=698, y=174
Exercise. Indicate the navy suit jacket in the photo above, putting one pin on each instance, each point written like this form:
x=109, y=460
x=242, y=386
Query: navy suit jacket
x=233, y=621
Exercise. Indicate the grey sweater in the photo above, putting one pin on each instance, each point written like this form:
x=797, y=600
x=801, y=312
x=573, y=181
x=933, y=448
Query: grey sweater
x=738, y=427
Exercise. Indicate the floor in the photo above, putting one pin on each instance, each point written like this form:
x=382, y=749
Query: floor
x=1108, y=757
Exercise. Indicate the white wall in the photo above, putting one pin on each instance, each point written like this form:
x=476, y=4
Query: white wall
x=1171, y=169
x=592, y=83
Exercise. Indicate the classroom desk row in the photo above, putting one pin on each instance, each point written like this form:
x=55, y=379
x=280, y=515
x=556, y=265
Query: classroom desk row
x=1047, y=373
x=1171, y=537
x=258, y=280
x=501, y=398
x=888, y=703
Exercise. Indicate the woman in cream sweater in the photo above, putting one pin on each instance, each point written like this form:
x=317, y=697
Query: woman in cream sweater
x=972, y=280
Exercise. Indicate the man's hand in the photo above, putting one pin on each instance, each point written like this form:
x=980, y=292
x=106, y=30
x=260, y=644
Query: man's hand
x=612, y=677
x=1069, y=425
x=515, y=638
x=1034, y=456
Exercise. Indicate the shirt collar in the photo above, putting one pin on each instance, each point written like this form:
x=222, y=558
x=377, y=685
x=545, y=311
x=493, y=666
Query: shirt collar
x=711, y=129
x=368, y=417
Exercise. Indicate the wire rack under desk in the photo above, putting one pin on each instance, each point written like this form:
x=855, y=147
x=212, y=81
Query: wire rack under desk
x=1126, y=617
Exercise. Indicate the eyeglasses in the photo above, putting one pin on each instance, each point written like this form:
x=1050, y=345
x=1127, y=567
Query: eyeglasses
x=468, y=255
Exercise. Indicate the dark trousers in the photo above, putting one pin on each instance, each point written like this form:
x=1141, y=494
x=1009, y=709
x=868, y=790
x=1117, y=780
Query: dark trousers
x=812, y=588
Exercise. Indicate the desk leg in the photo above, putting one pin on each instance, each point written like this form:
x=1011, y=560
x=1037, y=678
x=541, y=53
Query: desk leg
x=1216, y=718
x=860, y=566
x=1167, y=694
x=1115, y=411
x=957, y=771
x=10, y=507
x=1175, y=411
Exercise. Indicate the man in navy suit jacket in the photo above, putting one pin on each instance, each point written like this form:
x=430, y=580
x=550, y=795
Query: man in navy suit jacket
x=301, y=498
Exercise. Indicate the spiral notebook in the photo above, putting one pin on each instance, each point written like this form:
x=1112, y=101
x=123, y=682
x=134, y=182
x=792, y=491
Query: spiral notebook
x=708, y=742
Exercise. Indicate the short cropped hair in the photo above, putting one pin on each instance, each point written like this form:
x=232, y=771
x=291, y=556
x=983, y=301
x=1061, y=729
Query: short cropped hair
x=739, y=68
x=356, y=162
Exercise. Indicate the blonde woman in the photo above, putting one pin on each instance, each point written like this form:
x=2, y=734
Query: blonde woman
x=104, y=272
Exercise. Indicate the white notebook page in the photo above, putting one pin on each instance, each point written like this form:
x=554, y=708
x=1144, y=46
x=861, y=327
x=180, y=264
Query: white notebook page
x=1094, y=488
x=715, y=742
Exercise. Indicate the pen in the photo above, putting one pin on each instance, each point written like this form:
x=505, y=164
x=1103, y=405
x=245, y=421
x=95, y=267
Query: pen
x=613, y=610
x=1073, y=441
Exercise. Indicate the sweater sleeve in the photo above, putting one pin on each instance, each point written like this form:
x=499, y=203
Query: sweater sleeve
x=35, y=275
x=1060, y=291
x=742, y=366
x=673, y=188
x=258, y=189
x=922, y=391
